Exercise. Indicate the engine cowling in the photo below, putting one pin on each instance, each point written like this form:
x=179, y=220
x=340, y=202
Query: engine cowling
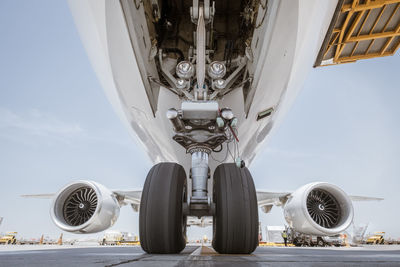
x=319, y=209
x=84, y=207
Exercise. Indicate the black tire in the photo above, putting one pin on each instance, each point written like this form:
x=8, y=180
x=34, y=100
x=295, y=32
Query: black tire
x=296, y=242
x=235, y=226
x=162, y=225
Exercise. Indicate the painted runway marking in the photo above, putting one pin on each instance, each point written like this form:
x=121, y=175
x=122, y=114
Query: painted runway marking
x=197, y=252
x=209, y=251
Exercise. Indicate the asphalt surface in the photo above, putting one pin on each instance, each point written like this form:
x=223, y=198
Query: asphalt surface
x=198, y=256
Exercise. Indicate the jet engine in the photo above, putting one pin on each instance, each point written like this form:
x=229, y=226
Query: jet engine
x=319, y=209
x=84, y=207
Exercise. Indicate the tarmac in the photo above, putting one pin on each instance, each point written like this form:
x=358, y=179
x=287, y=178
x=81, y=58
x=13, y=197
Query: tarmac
x=35, y=255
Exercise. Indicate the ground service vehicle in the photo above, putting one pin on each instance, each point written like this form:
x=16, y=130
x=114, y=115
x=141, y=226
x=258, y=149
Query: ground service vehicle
x=9, y=238
x=377, y=238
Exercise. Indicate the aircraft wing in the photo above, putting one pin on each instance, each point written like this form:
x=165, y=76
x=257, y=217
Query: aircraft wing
x=266, y=200
x=131, y=197
x=41, y=196
x=363, y=198
x=265, y=197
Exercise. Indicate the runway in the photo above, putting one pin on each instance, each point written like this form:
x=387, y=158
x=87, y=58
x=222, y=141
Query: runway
x=198, y=256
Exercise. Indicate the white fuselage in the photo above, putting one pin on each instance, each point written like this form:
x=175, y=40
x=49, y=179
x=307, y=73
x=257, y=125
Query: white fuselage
x=291, y=38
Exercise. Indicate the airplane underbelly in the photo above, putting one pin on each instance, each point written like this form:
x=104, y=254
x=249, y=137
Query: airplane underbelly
x=296, y=36
x=284, y=46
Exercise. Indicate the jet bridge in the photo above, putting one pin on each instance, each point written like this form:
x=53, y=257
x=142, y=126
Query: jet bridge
x=361, y=29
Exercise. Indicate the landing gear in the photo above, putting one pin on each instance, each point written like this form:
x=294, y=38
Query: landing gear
x=162, y=223
x=202, y=77
x=235, y=224
x=320, y=242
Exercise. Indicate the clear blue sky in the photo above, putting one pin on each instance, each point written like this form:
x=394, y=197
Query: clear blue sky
x=56, y=125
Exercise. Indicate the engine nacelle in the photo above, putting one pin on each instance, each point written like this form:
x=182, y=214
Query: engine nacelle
x=84, y=207
x=319, y=209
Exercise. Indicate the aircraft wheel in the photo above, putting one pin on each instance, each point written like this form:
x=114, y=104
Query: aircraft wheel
x=235, y=225
x=162, y=224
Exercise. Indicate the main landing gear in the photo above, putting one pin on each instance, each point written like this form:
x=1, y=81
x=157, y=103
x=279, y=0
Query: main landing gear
x=202, y=128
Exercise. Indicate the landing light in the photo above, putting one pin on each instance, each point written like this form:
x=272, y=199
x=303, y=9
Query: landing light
x=219, y=84
x=181, y=83
x=216, y=70
x=184, y=70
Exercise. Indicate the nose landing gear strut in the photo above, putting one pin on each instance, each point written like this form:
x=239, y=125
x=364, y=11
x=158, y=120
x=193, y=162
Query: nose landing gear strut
x=201, y=127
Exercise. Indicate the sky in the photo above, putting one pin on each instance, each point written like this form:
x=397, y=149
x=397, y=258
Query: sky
x=56, y=126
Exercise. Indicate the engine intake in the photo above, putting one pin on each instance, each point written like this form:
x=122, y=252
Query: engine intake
x=84, y=207
x=80, y=206
x=323, y=208
x=319, y=209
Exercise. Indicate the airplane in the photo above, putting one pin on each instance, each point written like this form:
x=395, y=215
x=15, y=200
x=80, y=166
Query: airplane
x=202, y=85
